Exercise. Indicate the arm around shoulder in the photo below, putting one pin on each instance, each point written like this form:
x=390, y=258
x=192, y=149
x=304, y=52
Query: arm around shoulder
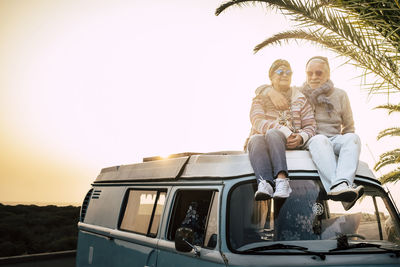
x=309, y=125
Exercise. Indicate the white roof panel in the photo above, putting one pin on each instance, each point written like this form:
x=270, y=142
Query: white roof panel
x=226, y=164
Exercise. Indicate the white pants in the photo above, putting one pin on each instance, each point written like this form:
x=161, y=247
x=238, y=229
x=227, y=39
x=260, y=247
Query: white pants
x=336, y=158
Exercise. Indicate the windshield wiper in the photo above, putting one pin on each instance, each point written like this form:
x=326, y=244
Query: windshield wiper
x=343, y=244
x=283, y=246
x=357, y=245
x=367, y=245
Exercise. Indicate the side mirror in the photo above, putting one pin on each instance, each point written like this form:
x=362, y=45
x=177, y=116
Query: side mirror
x=212, y=243
x=184, y=239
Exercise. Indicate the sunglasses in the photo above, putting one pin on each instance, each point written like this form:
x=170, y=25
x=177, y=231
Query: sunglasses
x=281, y=72
x=318, y=73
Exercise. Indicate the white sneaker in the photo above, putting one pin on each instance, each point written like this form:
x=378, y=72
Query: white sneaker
x=344, y=192
x=264, y=192
x=360, y=192
x=282, y=188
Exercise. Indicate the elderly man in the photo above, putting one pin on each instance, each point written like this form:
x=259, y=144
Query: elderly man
x=335, y=132
x=275, y=130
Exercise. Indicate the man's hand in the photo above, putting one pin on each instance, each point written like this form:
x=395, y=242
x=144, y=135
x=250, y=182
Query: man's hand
x=279, y=101
x=294, y=140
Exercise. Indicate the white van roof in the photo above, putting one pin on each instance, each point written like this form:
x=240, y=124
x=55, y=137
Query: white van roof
x=221, y=165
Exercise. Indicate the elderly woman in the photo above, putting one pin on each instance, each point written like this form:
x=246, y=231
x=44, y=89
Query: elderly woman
x=274, y=130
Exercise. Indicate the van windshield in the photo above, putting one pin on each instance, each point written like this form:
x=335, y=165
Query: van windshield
x=308, y=214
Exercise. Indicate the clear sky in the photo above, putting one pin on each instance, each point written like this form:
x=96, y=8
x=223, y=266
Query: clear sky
x=96, y=83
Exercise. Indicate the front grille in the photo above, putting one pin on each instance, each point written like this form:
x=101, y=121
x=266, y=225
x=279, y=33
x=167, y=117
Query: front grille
x=96, y=194
x=85, y=204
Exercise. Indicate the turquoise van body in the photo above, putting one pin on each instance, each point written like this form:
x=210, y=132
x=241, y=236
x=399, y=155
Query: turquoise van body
x=199, y=210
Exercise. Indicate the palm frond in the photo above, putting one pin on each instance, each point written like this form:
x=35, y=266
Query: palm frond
x=383, y=16
x=359, y=57
x=397, y=3
x=238, y=3
x=350, y=23
x=392, y=176
x=388, y=158
x=391, y=107
x=394, y=131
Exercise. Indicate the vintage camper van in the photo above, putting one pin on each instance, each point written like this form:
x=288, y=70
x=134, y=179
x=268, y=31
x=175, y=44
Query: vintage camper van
x=199, y=210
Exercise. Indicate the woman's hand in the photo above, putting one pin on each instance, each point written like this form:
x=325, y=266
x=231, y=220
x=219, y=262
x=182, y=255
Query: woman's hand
x=294, y=140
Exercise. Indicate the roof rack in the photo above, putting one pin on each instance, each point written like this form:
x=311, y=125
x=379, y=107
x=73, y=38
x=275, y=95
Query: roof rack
x=213, y=165
x=187, y=154
x=171, y=156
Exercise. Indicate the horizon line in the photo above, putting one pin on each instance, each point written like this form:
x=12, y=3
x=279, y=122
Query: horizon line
x=40, y=203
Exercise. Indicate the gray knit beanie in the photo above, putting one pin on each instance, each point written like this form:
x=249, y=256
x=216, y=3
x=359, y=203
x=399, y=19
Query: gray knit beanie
x=320, y=58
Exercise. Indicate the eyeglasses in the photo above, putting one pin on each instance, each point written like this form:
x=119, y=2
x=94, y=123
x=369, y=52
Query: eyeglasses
x=318, y=73
x=281, y=72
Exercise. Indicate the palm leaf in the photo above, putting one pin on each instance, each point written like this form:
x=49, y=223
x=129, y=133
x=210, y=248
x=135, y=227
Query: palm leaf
x=391, y=107
x=394, y=131
x=369, y=48
x=388, y=158
x=359, y=57
x=392, y=176
x=382, y=15
x=239, y=3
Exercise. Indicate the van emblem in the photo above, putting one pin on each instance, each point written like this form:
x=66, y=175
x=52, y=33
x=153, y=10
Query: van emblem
x=318, y=209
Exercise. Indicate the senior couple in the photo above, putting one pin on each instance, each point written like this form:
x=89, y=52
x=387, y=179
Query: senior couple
x=316, y=117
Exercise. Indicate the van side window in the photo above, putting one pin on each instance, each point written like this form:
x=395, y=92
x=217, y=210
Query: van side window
x=143, y=211
x=197, y=210
x=212, y=224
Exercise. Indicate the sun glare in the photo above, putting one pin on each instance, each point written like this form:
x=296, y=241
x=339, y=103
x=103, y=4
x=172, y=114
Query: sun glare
x=93, y=84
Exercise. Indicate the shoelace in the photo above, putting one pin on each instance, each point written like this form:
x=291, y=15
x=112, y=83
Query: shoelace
x=265, y=187
x=284, y=187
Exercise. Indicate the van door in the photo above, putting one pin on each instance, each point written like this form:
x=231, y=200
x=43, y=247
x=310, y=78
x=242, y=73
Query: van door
x=99, y=216
x=197, y=209
x=135, y=242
